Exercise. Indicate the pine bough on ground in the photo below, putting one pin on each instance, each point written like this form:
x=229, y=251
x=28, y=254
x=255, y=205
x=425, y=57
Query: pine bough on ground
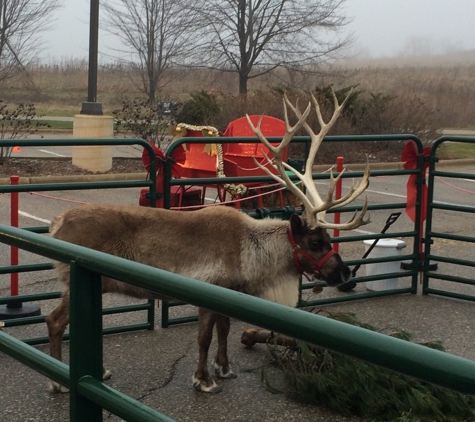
x=352, y=387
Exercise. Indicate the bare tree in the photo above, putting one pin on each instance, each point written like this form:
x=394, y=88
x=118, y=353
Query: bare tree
x=255, y=37
x=156, y=35
x=21, y=22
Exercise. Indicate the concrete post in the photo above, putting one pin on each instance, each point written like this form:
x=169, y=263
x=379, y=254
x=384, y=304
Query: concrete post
x=97, y=159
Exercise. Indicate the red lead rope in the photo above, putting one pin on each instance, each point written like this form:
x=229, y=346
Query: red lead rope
x=298, y=251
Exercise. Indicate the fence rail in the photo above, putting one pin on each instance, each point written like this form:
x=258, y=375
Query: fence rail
x=86, y=357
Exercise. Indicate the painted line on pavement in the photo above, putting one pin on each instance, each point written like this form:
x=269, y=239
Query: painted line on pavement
x=33, y=217
x=50, y=152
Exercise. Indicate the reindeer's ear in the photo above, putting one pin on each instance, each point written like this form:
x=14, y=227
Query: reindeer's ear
x=297, y=224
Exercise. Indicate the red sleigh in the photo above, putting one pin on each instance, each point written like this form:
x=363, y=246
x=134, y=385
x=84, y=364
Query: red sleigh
x=189, y=161
x=239, y=158
x=195, y=160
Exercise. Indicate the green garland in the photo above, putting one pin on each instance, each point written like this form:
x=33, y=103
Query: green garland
x=355, y=388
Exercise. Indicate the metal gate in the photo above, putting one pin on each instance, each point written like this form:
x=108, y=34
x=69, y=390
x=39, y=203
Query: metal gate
x=453, y=251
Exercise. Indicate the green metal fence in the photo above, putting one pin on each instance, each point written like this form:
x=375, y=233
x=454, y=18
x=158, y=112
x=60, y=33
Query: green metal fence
x=417, y=263
x=88, y=395
x=445, y=281
x=413, y=257
x=412, y=236
x=150, y=183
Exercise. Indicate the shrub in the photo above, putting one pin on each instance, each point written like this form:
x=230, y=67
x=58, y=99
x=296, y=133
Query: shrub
x=201, y=109
x=365, y=113
x=369, y=113
x=16, y=123
x=233, y=107
x=140, y=118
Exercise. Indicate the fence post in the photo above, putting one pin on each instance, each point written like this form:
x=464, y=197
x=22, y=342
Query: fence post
x=85, y=339
x=336, y=216
x=16, y=309
x=14, y=208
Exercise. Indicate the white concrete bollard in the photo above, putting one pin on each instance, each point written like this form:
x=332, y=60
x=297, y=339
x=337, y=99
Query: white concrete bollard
x=97, y=159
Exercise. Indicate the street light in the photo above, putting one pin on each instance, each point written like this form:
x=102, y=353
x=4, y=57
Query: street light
x=92, y=107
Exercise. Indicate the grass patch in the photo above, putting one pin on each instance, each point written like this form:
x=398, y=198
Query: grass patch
x=58, y=124
x=54, y=109
x=70, y=106
x=456, y=150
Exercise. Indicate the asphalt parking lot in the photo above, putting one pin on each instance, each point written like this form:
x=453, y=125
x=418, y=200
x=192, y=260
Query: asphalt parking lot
x=155, y=367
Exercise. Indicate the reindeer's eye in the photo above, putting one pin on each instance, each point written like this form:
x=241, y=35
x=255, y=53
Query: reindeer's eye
x=316, y=245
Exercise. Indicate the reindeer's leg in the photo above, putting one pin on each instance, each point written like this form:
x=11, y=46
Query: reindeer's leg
x=221, y=363
x=201, y=379
x=57, y=321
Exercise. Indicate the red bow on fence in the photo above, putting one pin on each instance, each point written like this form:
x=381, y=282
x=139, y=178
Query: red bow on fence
x=409, y=158
x=178, y=157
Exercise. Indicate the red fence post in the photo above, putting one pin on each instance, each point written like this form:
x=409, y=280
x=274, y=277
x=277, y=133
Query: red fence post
x=14, y=250
x=16, y=309
x=336, y=216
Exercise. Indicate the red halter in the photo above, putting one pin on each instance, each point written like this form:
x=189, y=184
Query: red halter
x=298, y=251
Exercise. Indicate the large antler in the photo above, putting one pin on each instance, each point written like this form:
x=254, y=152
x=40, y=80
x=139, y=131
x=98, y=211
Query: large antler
x=315, y=207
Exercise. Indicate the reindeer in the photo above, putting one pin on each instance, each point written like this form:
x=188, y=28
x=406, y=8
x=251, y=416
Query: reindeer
x=218, y=245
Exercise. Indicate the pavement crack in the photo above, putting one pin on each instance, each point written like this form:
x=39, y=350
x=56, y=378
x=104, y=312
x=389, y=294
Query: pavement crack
x=167, y=381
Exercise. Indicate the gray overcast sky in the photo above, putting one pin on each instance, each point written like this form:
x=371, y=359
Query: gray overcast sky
x=383, y=28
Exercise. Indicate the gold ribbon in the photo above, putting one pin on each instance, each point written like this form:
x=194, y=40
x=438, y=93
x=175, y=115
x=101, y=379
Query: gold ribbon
x=181, y=130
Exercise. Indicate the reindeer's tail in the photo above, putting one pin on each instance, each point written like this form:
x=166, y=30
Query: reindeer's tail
x=56, y=223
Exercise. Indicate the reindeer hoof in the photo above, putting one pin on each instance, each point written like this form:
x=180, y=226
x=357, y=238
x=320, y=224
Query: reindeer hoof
x=54, y=387
x=206, y=387
x=106, y=374
x=222, y=373
x=346, y=287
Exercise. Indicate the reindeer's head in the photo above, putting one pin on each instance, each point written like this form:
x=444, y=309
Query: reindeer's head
x=311, y=243
x=313, y=252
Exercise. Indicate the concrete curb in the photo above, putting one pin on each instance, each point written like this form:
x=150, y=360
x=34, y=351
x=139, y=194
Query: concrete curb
x=77, y=178
x=142, y=176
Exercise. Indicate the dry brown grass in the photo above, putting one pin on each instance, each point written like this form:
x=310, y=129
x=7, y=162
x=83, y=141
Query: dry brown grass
x=445, y=86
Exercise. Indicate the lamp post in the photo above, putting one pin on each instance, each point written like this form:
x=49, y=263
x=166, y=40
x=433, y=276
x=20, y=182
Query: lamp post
x=91, y=122
x=91, y=106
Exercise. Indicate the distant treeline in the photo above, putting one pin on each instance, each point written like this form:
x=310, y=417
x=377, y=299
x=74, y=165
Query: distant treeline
x=446, y=91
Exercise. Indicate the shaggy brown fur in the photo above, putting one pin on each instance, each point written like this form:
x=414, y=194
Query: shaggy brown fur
x=218, y=245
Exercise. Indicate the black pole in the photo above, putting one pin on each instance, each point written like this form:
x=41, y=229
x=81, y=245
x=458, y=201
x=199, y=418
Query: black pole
x=92, y=106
